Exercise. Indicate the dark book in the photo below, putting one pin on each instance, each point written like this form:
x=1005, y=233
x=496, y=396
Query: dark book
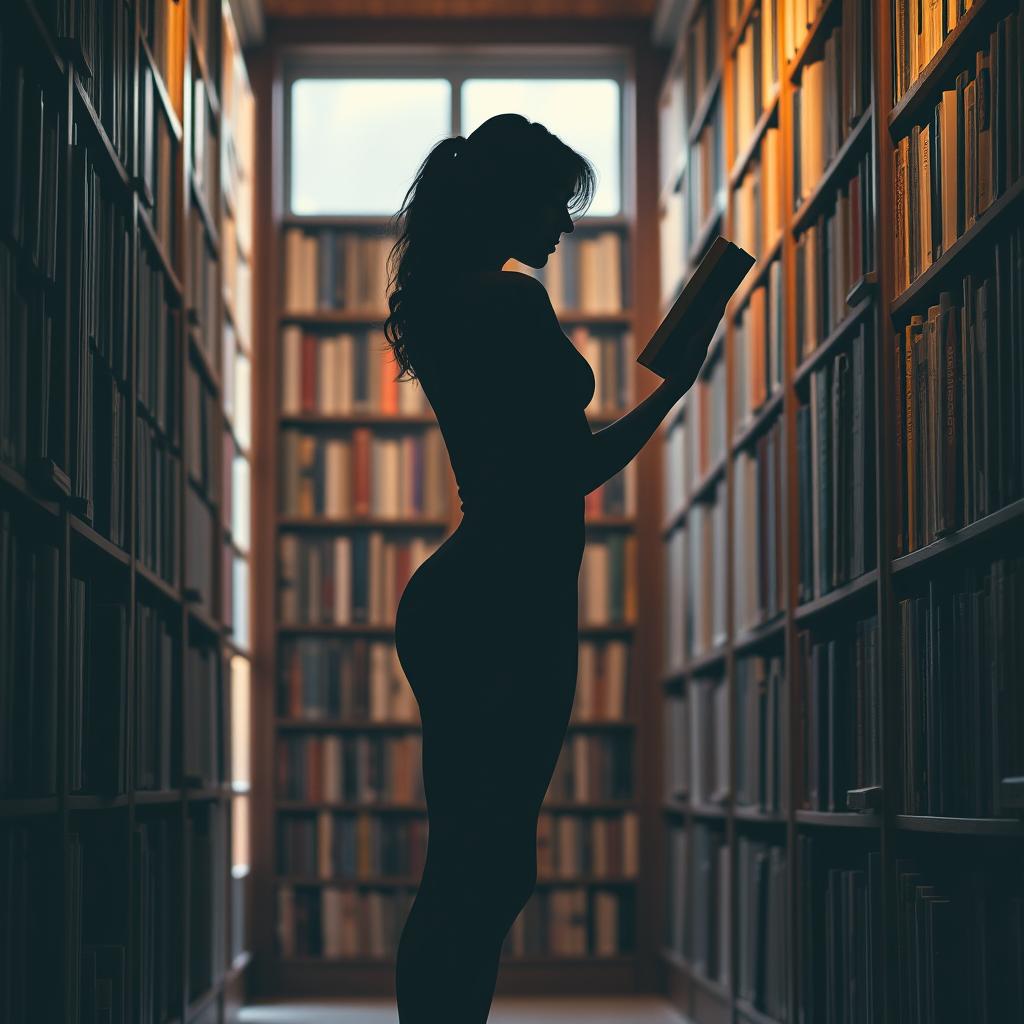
x=709, y=288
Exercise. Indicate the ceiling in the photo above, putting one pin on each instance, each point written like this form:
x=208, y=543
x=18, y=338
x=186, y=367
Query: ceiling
x=459, y=8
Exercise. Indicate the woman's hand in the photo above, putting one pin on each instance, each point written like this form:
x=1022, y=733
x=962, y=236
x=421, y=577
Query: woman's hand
x=682, y=378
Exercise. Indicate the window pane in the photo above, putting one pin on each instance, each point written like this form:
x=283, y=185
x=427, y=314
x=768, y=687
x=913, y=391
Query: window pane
x=357, y=142
x=582, y=112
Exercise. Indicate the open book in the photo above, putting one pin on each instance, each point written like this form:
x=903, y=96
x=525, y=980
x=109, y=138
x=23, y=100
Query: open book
x=704, y=296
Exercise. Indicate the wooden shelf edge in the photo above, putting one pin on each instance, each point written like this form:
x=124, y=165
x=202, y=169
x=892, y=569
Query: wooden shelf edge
x=925, y=284
x=705, y=105
x=845, y=327
x=809, y=43
x=837, y=598
x=768, y=114
x=1008, y=515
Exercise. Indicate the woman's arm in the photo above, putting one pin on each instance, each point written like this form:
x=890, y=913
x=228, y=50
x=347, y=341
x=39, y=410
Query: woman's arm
x=614, y=446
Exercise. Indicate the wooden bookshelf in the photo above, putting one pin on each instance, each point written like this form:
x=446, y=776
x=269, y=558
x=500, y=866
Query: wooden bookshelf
x=875, y=848
x=116, y=827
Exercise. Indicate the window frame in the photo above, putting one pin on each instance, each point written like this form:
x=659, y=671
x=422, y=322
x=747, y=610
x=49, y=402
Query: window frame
x=456, y=64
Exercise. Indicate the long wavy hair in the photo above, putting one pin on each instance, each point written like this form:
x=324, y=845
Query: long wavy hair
x=508, y=158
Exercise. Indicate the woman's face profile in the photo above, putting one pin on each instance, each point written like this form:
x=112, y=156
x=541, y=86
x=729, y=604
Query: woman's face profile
x=538, y=231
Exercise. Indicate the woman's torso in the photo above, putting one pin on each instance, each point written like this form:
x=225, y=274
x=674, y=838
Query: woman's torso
x=520, y=541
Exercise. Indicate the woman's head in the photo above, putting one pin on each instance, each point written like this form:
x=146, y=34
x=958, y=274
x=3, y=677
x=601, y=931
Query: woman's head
x=508, y=191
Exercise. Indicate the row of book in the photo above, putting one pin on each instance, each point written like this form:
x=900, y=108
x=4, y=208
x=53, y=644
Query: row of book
x=29, y=400
x=757, y=199
x=839, y=935
x=833, y=95
x=205, y=146
x=332, y=846
x=33, y=121
x=836, y=470
x=918, y=32
x=203, y=288
x=608, y=580
x=762, y=910
x=574, y=922
x=593, y=767
x=586, y=273
x=341, y=373
x=358, y=768
x=157, y=489
x=960, y=939
x=708, y=741
x=201, y=552
x=29, y=638
x=695, y=442
x=760, y=696
x=335, y=923
x=609, y=351
x=960, y=664
x=331, y=268
x=756, y=67
x=359, y=577
x=571, y=846
x=355, y=578
x=758, y=590
x=155, y=858
x=99, y=344
x=356, y=679
x=98, y=699
x=162, y=25
x=363, y=471
x=840, y=714
x=699, y=560
x=202, y=433
x=205, y=840
x=833, y=253
x=158, y=155
x=157, y=366
x=702, y=880
x=757, y=348
x=965, y=155
x=157, y=662
x=959, y=434
x=705, y=172
x=359, y=679
x=703, y=55
x=204, y=723
x=615, y=497
x=110, y=85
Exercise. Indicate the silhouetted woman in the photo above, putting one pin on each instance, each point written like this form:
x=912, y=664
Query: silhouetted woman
x=487, y=628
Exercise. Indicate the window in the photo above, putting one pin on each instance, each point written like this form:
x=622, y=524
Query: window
x=356, y=142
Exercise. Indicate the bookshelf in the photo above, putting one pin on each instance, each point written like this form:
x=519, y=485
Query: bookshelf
x=118, y=785
x=343, y=440
x=826, y=786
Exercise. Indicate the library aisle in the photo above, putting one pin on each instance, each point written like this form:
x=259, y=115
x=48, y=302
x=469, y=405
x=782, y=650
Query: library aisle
x=792, y=786
x=504, y=1010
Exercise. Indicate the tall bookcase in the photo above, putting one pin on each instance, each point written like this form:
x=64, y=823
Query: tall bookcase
x=843, y=545
x=359, y=471
x=125, y=728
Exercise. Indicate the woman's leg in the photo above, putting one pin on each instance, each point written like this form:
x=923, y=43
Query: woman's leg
x=479, y=873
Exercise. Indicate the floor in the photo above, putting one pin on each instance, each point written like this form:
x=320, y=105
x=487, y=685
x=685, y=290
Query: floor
x=504, y=1010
